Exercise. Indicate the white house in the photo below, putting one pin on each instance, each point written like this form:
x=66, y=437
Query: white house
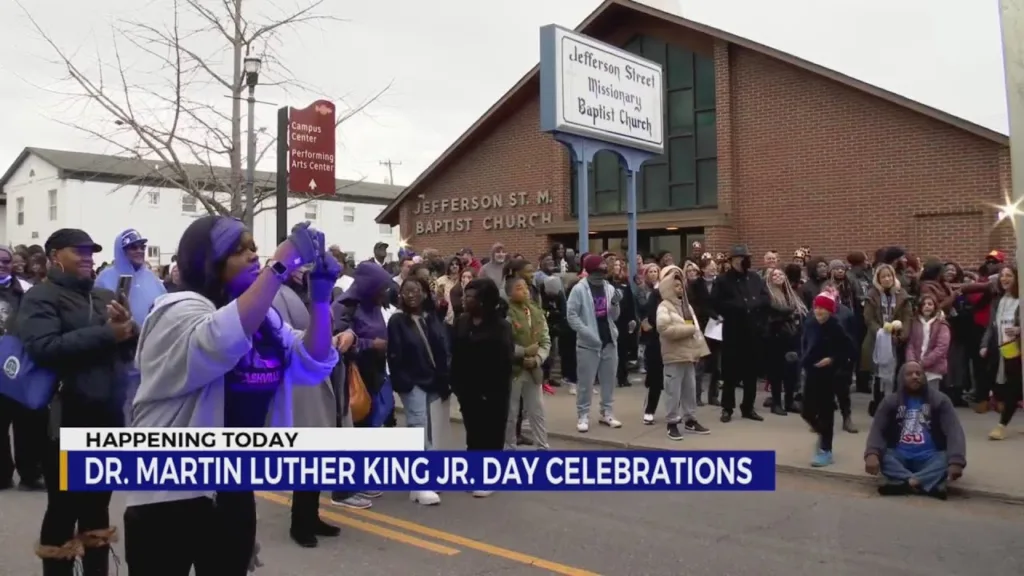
x=45, y=190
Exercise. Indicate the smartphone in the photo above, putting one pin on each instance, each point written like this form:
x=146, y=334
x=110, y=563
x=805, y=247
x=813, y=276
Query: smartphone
x=321, y=248
x=124, y=288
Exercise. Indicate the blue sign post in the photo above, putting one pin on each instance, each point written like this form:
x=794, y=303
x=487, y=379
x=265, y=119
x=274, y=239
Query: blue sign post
x=595, y=97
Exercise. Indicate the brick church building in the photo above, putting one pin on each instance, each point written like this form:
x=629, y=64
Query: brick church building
x=762, y=148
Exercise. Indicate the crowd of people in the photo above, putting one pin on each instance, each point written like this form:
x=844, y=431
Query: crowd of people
x=221, y=338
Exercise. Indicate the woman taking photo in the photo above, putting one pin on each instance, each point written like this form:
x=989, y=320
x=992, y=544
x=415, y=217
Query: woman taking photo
x=217, y=355
x=86, y=339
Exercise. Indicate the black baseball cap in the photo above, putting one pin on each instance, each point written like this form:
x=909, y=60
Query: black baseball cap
x=383, y=245
x=70, y=238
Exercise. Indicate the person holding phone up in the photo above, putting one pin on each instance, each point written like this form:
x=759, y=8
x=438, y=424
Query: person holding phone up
x=217, y=355
x=86, y=338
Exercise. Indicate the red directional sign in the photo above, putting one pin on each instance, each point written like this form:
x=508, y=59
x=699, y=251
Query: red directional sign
x=311, y=149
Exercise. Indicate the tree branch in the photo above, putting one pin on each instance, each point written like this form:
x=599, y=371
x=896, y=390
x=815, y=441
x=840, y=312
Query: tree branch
x=173, y=116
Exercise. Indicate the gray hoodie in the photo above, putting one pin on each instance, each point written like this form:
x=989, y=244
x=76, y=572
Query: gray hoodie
x=186, y=346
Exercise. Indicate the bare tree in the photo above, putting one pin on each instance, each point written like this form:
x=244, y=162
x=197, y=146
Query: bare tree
x=173, y=110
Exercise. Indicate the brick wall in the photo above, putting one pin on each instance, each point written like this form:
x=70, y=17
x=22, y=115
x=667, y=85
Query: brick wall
x=803, y=160
x=515, y=157
x=817, y=163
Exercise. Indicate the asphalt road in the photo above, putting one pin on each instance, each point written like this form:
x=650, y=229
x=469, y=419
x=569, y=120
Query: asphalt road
x=808, y=526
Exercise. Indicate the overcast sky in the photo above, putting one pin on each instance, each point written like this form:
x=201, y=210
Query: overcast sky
x=449, y=60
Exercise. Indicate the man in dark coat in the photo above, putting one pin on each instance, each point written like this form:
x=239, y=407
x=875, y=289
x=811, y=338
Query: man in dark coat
x=741, y=298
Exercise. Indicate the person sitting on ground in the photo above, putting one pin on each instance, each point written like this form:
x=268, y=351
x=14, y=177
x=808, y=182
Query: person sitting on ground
x=916, y=440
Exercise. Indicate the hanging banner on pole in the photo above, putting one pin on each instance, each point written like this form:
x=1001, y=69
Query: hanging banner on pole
x=311, y=149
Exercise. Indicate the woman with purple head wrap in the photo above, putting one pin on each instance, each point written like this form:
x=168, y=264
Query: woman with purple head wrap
x=215, y=355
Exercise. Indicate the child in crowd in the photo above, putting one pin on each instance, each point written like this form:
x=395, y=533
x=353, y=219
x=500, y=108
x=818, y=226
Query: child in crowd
x=826, y=349
x=929, y=340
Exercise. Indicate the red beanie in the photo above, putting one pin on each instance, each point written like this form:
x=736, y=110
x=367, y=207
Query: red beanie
x=592, y=262
x=825, y=302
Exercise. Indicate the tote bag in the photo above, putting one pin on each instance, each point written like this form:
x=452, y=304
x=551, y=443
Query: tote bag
x=359, y=400
x=21, y=380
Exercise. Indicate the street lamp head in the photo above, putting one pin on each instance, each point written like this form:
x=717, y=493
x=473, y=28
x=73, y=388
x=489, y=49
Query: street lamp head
x=252, y=65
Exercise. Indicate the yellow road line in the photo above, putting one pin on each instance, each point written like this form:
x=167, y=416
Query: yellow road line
x=367, y=527
x=505, y=553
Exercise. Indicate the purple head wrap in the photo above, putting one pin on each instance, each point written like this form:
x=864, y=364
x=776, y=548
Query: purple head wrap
x=224, y=237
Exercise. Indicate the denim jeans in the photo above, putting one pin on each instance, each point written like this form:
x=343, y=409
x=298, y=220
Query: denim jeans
x=417, y=412
x=596, y=367
x=930, y=472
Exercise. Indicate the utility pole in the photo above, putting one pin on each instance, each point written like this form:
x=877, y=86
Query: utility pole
x=391, y=169
x=1012, y=22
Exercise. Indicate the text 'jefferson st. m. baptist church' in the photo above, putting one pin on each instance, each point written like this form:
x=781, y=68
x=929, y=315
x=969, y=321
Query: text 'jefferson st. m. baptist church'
x=486, y=202
x=597, y=89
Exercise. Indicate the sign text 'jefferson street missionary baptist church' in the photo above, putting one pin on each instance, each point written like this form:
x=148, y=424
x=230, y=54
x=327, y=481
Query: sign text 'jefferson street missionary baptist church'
x=443, y=216
x=601, y=92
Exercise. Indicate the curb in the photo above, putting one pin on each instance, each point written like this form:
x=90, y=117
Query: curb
x=791, y=469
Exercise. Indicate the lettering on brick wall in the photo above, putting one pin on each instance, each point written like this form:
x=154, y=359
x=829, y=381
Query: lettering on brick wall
x=482, y=203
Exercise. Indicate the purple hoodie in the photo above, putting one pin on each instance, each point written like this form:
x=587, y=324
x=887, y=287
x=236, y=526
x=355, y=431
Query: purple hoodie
x=369, y=280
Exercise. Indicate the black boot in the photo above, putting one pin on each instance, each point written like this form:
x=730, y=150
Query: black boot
x=321, y=528
x=96, y=561
x=304, y=538
x=848, y=424
x=713, y=394
x=96, y=551
x=60, y=560
x=778, y=410
x=58, y=567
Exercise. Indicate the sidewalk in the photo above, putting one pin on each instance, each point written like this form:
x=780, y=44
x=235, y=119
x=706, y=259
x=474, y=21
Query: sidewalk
x=994, y=469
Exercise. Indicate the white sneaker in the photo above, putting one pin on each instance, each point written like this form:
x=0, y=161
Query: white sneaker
x=596, y=390
x=610, y=421
x=572, y=389
x=425, y=497
x=582, y=425
x=648, y=419
x=482, y=493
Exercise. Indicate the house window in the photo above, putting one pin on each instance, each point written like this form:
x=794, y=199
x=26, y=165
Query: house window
x=51, y=196
x=686, y=175
x=312, y=210
x=153, y=197
x=189, y=203
x=384, y=229
x=348, y=214
x=153, y=252
x=20, y=206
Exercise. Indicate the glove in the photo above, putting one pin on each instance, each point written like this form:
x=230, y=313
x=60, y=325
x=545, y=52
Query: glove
x=322, y=278
x=304, y=243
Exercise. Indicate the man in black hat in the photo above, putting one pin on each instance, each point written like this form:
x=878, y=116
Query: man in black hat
x=380, y=252
x=741, y=298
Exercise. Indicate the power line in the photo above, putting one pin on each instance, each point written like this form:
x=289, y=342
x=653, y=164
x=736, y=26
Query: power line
x=391, y=169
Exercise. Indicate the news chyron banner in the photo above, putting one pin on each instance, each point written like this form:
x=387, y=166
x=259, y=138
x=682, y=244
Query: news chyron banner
x=390, y=459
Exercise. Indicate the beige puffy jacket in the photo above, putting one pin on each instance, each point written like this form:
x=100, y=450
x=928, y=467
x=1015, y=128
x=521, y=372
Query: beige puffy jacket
x=681, y=340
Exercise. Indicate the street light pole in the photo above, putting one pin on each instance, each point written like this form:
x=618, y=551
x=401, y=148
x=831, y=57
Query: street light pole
x=252, y=76
x=1011, y=20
